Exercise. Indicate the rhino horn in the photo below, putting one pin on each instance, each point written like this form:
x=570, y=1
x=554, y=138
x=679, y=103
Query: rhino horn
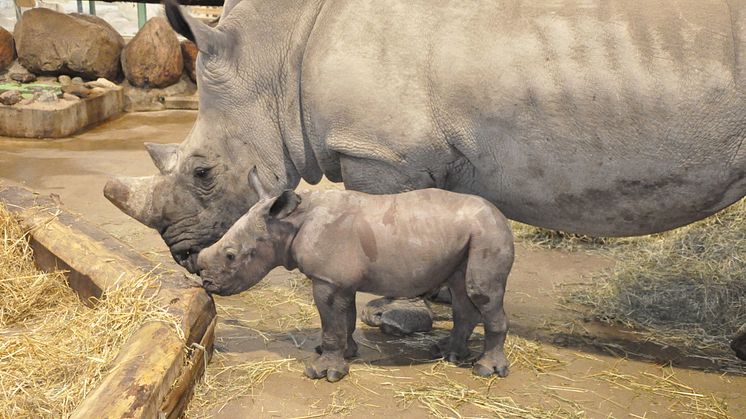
x=163, y=156
x=209, y=40
x=256, y=184
x=134, y=196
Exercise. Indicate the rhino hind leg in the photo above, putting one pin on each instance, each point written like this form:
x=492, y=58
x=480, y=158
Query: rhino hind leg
x=485, y=279
x=466, y=316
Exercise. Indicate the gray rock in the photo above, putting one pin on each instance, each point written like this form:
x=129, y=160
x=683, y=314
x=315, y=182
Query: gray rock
x=398, y=317
x=101, y=82
x=11, y=97
x=22, y=76
x=64, y=80
x=77, y=80
x=7, y=49
x=153, y=57
x=46, y=96
x=53, y=43
x=68, y=96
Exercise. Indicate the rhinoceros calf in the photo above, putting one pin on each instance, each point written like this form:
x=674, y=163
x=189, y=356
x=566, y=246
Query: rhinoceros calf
x=396, y=245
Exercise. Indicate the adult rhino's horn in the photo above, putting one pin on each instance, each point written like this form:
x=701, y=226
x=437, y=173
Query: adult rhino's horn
x=256, y=184
x=163, y=156
x=134, y=196
x=209, y=40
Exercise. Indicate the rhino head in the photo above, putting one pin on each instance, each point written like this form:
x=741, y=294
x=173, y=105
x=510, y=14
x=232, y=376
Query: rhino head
x=258, y=242
x=201, y=189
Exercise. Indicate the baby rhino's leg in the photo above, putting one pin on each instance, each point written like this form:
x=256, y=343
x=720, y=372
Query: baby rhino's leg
x=334, y=305
x=486, y=276
x=351, y=349
x=465, y=317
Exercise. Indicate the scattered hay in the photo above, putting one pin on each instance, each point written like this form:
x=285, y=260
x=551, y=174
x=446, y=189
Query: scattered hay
x=685, y=401
x=223, y=383
x=521, y=352
x=537, y=237
x=683, y=288
x=54, y=350
x=283, y=307
x=444, y=397
x=342, y=404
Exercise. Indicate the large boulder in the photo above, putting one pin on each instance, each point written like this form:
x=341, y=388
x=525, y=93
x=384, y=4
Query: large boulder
x=53, y=43
x=189, y=51
x=7, y=49
x=153, y=57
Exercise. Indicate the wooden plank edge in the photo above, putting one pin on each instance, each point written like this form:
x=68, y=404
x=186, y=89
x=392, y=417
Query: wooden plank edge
x=91, y=258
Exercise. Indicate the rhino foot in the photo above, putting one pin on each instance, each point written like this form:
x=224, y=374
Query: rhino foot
x=333, y=367
x=738, y=344
x=398, y=317
x=350, y=351
x=486, y=366
x=443, y=349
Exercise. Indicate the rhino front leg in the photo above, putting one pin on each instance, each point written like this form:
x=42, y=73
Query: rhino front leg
x=334, y=305
x=351, y=350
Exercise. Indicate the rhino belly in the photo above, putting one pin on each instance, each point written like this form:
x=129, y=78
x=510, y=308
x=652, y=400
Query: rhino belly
x=595, y=117
x=604, y=122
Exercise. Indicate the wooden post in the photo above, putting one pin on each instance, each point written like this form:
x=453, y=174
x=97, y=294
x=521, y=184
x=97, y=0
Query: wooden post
x=92, y=7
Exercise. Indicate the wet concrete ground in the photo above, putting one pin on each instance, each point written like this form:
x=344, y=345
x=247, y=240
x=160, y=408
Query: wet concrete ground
x=275, y=322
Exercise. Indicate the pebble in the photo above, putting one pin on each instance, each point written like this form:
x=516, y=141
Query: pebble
x=47, y=96
x=23, y=77
x=11, y=97
x=65, y=80
x=77, y=80
x=101, y=82
x=68, y=96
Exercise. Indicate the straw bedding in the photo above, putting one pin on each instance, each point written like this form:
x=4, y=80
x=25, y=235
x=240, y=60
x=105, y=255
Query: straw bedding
x=685, y=288
x=53, y=349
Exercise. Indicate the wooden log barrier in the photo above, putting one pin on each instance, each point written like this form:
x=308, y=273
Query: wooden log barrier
x=155, y=371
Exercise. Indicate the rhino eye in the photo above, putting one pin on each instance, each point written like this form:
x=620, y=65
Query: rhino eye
x=230, y=256
x=201, y=172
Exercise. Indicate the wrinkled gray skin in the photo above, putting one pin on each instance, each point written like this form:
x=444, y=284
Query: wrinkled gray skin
x=595, y=117
x=598, y=117
x=402, y=245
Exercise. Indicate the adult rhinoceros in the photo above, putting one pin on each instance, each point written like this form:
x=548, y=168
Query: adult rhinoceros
x=591, y=116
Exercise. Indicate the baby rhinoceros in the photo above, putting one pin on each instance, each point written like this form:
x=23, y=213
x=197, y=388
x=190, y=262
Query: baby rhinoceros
x=402, y=245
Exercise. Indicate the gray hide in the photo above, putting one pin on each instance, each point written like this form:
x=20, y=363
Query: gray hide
x=401, y=245
x=598, y=117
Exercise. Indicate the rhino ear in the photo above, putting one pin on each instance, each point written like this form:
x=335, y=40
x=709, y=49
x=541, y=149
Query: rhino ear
x=163, y=156
x=256, y=184
x=284, y=204
x=209, y=40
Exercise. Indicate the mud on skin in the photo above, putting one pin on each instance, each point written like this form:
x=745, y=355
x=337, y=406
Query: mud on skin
x=457, y=240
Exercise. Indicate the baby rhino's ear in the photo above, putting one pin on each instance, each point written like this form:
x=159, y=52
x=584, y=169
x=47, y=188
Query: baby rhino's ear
x=284, y=204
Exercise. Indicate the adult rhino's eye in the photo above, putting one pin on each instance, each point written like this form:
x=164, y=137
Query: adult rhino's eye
x=201, y=172
x=230, y=256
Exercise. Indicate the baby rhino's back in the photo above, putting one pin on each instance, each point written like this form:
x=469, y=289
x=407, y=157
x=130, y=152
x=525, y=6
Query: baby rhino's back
x=406, y=243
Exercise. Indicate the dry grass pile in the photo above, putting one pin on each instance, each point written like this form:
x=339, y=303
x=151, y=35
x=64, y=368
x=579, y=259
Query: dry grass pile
x=282, y=307
x=683, y=288
x=53, y=349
